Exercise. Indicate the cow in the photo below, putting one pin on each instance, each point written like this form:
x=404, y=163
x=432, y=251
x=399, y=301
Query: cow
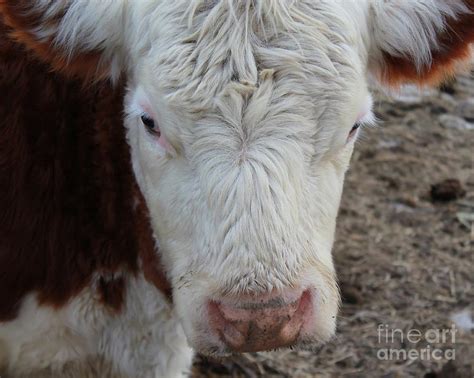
x=206, y=222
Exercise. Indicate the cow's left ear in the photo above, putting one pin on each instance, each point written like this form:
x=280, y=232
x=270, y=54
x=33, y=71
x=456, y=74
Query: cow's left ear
x=78, y=37
x=422, y=42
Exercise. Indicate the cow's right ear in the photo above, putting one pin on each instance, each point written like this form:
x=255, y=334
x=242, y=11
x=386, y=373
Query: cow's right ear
x=78, y=37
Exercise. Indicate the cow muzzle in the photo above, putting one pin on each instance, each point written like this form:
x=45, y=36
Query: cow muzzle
x=260, y=323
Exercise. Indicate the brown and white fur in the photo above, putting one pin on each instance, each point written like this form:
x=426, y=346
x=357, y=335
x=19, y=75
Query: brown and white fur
x=253, y=104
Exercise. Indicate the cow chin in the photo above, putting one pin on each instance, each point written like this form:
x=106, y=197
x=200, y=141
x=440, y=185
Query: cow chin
x=303, y=317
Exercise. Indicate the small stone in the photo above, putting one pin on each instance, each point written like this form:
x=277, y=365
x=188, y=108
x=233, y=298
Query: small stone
x=447, y=190
x=411, y=94
x=388, y=144
x=450, y=121
x=448, y=88
x=466, y=110
x=351, y=295
x=463, y=320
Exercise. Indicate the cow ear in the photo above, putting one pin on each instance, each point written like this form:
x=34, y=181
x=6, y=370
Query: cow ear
x=79, y=38
x=420, y=42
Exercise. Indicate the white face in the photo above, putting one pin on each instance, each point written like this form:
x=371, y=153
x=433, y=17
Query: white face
x=240, y=140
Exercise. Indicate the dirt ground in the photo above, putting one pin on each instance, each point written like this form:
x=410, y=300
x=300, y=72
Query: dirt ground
x=404, y=260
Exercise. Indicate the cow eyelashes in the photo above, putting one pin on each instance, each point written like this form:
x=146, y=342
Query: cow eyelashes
x=366, y=118
x=150, y=124
x=354, y=129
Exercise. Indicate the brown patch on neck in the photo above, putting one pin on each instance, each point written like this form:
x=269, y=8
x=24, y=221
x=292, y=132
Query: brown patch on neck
x=453, y=50
x=66, y=190
x=21, y=17
x=151, y=265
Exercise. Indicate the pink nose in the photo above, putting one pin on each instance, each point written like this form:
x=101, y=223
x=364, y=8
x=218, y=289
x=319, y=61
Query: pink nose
x=259, y=325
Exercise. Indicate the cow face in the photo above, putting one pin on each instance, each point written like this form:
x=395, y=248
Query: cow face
x=241, y=132
x=242, y=117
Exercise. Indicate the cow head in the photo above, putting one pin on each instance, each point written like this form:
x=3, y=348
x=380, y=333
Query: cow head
x=242, y=118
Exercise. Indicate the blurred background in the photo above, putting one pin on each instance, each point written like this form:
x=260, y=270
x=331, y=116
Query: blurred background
x=403, y=250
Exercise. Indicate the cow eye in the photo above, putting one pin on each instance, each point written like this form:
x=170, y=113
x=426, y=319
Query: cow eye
x=354, y=129
x=150, y=124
